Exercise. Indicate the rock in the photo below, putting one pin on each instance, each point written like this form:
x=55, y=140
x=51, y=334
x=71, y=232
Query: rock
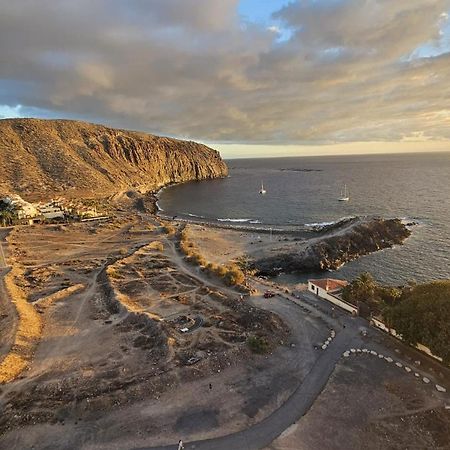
x=372, y=352
x=380, y=356
x=346, y=354
x=55, y=154
x=362, y=237
x=440, y=388
x=399, y=364
x=426, y=380
x=353, y=350
x=364, y=350
x=408, y=369
x=388, y=359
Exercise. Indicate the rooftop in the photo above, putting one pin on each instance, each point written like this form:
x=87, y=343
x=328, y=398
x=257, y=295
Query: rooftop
x=329, y=284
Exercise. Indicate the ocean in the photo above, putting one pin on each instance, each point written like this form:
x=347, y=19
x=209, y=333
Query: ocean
x=304, y=190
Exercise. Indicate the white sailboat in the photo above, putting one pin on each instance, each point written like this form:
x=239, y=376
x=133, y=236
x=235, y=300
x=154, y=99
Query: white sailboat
x=344, y=195
x=262, y=190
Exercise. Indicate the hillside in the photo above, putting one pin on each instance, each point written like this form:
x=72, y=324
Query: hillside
x=45, y=157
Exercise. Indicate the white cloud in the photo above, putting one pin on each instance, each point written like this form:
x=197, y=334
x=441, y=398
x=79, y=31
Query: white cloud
x=188, y=68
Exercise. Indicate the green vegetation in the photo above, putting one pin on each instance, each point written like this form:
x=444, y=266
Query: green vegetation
x=419, y=313
x=422, y=315
x=258, y=344
x=364, y=289
x=7, y=214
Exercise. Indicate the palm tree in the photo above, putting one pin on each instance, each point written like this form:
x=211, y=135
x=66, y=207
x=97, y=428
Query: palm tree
x=6, y=217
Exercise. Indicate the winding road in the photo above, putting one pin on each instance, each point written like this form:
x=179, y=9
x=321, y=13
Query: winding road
x=265, y=432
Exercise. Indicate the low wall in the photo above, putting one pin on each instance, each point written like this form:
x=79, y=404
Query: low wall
x=382, y=326
x=322, y=293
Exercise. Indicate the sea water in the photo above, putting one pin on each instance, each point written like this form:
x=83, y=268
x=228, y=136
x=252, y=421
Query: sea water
x=304, y=191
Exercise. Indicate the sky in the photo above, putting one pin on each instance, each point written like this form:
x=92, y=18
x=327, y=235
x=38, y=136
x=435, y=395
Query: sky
x=248, y=77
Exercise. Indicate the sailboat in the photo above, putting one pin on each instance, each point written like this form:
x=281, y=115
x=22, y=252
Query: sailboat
x=344, y=195
x=262, y=190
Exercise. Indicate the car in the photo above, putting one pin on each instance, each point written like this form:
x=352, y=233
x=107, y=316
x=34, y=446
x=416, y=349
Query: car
x=269, y=294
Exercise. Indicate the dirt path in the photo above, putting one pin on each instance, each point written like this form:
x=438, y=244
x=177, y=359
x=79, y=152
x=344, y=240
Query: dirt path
x=263, y=433
x=8, y=314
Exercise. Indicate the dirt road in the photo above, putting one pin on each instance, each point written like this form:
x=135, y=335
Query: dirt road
x=8, y=316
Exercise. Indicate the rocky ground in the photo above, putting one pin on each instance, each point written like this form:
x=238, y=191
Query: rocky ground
x=113, y=347
x=370, y=404
x=112, y=367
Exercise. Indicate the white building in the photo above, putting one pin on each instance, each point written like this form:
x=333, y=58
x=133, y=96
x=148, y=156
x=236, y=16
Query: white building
x=330, y=289
x=51, y=210
x=22, y=208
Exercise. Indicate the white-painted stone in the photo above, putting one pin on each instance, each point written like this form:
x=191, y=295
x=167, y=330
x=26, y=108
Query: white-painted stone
x=416, y=375
x=358, y=350
x=408, y=369
x=324, y=347
x=388, y=359
x=441, y=388
x=399, y=364
x=364, y=350
x=353, y=350
x=426, y=380
x=373, y=352
x=346, y=354
x=380, y=356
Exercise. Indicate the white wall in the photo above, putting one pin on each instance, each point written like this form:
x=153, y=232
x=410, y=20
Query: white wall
x=322, y=293
x=382, y=326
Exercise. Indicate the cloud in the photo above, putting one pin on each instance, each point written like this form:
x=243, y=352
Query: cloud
x=350, y=70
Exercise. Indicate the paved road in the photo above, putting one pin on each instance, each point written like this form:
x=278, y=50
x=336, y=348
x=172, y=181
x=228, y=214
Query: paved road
x=263, y=433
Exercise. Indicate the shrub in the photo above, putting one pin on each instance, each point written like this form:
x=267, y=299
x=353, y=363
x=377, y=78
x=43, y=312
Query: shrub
x=234, y=275
x=156, y=245
x=258, y=344
x=169, y=229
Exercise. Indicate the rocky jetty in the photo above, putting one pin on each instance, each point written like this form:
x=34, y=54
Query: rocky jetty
x=51, y=157
x=331, y=251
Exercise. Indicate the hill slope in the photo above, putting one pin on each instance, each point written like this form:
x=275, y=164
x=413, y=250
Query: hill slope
x=44, y=157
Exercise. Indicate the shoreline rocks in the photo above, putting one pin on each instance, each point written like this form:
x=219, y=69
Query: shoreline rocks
x=335, y=249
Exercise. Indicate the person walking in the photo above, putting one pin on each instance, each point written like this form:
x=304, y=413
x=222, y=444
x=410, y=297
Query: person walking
x=180, y=445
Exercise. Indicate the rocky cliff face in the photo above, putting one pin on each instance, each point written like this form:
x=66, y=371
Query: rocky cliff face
x=44, y=157
x=338, y=247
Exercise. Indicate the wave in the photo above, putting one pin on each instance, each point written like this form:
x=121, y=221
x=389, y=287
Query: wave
x=194, y=215
x=255, y=221
x=327, y=224
x=234, y=220
x=321, y=224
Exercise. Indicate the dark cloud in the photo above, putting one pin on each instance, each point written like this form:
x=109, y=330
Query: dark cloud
x=191, y=68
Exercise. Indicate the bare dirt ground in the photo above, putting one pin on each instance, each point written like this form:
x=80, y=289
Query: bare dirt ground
x=221, y=245
x=8, y=316
x=370, y=404
x=112, y=368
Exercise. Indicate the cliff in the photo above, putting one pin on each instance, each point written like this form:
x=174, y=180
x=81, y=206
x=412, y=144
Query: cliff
x=45, y=157
x=354, y=239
